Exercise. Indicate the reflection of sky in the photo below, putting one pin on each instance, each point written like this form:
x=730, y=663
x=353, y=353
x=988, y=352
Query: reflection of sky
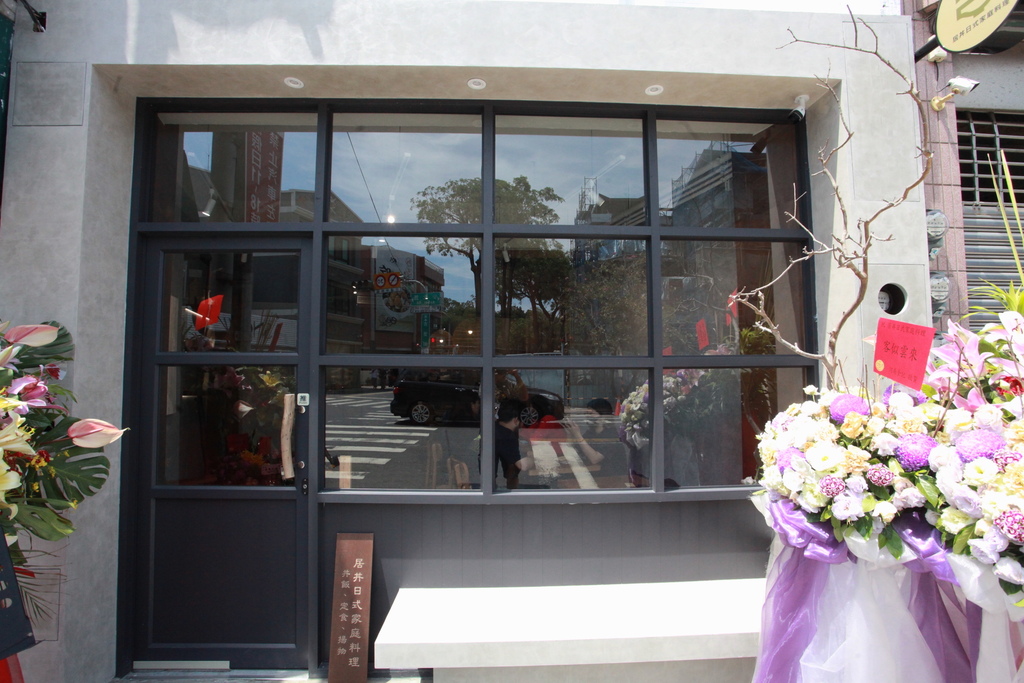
x=458, y=278
x=377, y=174
x=563, y=162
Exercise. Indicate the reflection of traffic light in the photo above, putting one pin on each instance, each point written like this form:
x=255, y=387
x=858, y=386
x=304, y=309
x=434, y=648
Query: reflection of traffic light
x=361, y=285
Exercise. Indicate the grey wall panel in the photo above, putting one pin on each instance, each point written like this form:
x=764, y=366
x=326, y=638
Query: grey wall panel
x=427, y=546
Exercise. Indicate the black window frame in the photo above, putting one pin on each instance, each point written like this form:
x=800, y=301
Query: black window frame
x=321, y=228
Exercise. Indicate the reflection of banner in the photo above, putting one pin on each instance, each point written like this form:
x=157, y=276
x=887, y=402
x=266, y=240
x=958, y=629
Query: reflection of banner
x=263, y=176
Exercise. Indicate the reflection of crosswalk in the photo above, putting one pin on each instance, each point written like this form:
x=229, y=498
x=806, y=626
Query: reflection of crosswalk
x=370, y=407
x=368, y=446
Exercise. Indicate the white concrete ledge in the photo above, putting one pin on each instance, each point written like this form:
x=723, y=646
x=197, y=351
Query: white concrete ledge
x=452, y=628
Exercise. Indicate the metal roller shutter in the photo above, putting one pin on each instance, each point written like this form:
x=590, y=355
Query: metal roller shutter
x=989, y=255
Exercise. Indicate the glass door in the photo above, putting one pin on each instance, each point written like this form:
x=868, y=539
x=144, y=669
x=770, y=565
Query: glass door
x=223, y=496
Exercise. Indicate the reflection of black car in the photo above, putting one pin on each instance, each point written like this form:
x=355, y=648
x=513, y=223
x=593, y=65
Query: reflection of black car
x=424, y=401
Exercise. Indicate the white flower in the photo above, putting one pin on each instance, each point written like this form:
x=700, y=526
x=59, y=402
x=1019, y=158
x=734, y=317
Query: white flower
x=909, y=498
x=875, y=426
x=812, y=500
x=902, y=484
x=989, y=417
x=885, y=511
x=966, y=500
x=773, y=479
x=980, y=471
x=1010, y=570
x=987, y=548
x=943, y=456
x=793, y=478
x=885, y=444
x=810, y=409
x=952, y=521
x=947, y=479
x=810, y=390
x=900, y=402
x=846, y=507
x=957, y=421
x=856, y=483
x=932, y=517
x=824, y=456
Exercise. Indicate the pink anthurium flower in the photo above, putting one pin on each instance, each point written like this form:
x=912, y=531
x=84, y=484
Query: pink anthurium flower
x=32, y=335
x=92, y=433
x=975, y=399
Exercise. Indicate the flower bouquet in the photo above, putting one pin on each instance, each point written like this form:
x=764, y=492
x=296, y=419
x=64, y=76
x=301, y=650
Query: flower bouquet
x=930, y=482
x=52, y=460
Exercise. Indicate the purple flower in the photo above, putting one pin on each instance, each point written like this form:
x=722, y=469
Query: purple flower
x=913, y=449
x=1011, y=523
x=831, y=486
x=880, y=475
x=979, y=443
x=848, y=403
x=784, y=458
x=1004, y=458
x=918, y=396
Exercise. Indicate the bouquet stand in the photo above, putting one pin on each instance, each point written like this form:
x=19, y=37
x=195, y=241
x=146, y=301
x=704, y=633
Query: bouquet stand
x=848, y=612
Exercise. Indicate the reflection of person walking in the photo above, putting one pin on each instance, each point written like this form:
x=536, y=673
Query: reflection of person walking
x=375, y=377
x=506, y=442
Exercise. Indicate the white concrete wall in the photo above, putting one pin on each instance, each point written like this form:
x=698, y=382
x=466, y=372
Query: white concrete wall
x=64, y=220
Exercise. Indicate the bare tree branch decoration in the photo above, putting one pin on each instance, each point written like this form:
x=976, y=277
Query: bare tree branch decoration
x=850, y=243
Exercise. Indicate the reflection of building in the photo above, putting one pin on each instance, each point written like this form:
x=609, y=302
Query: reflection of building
x=723, y=187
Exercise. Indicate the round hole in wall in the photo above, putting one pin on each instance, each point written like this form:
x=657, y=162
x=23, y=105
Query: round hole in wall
x=892, y=299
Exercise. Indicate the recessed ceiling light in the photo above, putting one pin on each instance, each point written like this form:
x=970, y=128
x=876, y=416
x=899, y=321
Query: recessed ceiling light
x=293, y=82
x=654, y=90
x=476, y=83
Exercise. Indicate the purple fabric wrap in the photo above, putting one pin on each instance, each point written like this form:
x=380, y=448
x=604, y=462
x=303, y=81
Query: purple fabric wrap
x=935, y=619
x=925, y=541
x=815, y=538
x=789, y=618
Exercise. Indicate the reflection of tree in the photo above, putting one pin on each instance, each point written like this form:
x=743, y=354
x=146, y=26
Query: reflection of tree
x=459, y=202
x=537, y=271
x=607, y=303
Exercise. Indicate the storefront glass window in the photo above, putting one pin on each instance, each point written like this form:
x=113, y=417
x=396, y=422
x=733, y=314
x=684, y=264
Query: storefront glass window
x=698, y=279
x=392, y=294
x=243, y=168
x=726, y=175
x=406, y=168
x=713, y=416
x=566, y=430
x=226, y=425
x=402, y=428
x=569, y=171
x=230, y=301
x=571, y=297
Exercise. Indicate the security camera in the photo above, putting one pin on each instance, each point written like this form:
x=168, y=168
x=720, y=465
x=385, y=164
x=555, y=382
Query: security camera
x=957, y=85
x=799, y=112
x=961, y=86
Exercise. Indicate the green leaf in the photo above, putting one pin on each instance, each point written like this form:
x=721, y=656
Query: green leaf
x=43, y=522
x=960, y=542
x=891, y=540
x=864, y=525
x=73, y=478
x=926, y=485
x=869, y=503
x=1010, y=588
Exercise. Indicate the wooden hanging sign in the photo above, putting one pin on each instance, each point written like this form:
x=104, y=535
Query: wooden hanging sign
x=350, y=618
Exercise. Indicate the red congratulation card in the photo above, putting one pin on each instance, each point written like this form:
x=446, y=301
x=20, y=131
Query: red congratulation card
x=901, y=351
